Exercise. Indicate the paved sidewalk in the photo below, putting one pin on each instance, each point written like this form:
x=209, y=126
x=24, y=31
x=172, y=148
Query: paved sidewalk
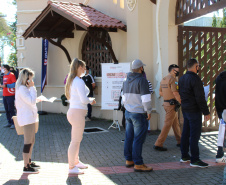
x=104, y=154
x=2, y=109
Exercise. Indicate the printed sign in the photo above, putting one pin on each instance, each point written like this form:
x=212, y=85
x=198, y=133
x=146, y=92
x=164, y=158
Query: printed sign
x=113, y=76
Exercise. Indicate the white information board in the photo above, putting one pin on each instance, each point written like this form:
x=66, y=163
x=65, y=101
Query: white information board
x=112, y=79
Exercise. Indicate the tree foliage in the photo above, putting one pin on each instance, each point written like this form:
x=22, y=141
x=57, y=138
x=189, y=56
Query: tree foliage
x=4, y=28
x=12, y=61
x=223, y=22
x=218, y=22
x=214, y=23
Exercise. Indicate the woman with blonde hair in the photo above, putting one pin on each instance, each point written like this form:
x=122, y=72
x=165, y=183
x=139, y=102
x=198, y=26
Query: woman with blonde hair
x=27, y=116
x=76, y=92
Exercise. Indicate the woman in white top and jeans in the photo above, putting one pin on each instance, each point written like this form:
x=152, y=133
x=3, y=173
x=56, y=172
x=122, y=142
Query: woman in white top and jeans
x=25, y=101
x=76, y=92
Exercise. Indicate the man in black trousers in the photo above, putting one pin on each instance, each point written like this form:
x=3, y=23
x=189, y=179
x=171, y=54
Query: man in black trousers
x=193, y=106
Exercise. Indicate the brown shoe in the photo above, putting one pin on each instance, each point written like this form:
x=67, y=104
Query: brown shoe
x=142, y=168
x=129, y=164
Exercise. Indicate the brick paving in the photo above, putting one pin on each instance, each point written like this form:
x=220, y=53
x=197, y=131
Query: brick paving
x=104, y=154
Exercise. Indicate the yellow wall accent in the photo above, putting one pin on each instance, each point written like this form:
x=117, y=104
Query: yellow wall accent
x=115, y=1
x=122, y=4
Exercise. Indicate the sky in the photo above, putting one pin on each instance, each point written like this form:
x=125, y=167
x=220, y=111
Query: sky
x=8, y=9
x=218, y=14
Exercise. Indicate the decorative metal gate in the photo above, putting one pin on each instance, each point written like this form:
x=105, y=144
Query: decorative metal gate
x=95, y=53
x=208, y=46
x=190, y=9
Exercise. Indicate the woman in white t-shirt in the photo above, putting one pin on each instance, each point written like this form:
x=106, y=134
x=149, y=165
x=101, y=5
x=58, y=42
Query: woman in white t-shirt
x=76, y=92
x=27, y=115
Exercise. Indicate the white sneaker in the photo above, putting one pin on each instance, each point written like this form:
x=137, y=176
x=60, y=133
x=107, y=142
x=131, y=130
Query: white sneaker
x=82, y=165
x=75, y=170
x=221, y=160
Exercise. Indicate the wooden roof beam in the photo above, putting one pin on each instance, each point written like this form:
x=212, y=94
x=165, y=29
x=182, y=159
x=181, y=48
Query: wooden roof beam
x=38, y=20
x=70, y=18
x=57, y=24
x=58, y=43
x=52, y=34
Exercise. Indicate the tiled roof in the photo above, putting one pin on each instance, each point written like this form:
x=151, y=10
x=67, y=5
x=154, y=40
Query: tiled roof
x=87, y=15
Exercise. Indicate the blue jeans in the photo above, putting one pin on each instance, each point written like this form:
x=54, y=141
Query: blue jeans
x=89, y=113
x=136, y=131
x=9, y=108
x=191, y=135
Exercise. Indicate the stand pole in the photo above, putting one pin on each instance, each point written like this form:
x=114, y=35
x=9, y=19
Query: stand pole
x=42, y=112
x=115, y=123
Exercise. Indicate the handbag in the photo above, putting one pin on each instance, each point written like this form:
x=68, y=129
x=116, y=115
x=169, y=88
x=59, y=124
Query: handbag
x=20, y=129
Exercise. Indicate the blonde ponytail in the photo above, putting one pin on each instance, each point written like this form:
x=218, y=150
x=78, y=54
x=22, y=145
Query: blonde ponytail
x=75, y=64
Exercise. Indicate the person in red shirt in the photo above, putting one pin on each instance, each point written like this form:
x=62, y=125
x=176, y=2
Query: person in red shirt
x=8, y=86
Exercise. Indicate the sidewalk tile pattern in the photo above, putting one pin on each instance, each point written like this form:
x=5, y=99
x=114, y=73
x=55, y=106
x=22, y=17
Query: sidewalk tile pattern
x=104, y=154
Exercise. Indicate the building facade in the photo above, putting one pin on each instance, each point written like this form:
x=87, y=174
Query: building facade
x=151, y=35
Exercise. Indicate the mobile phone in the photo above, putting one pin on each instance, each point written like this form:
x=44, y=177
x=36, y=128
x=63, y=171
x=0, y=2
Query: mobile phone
x=28, y=81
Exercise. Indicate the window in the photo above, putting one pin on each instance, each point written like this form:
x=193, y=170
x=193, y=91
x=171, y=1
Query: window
x=94, y=53
x=115, y=1
x=20, y=42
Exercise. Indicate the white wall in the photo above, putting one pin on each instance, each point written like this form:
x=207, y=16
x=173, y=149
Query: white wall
x=167, y=47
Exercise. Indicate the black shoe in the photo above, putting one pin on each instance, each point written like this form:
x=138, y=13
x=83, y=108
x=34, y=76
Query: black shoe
x=199, y=164
x=12, y=127
x=220, y=152
x=178, y=145
x=35, y=166
x=159, y=148
x=29, y=169
x=7, y=125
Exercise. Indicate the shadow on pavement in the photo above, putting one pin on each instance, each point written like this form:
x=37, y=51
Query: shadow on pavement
x=99, y=151
x=73, y=180
x=23, y=180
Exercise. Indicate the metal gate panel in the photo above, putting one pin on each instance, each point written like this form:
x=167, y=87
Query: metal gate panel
x=208, y=46
x=190, y=9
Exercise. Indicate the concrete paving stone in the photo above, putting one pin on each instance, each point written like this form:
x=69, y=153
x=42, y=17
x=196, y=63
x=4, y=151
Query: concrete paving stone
x=100, y=150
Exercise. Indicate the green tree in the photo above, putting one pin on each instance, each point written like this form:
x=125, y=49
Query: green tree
x=214, y=23
x=12, y=61
x=4, y=28
x=223, y=22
